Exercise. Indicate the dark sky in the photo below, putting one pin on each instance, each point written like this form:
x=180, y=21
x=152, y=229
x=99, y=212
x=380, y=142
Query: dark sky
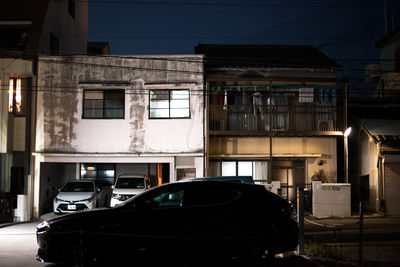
x=344, y=30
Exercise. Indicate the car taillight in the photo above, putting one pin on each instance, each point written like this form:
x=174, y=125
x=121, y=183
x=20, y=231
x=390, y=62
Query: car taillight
x=287, y=209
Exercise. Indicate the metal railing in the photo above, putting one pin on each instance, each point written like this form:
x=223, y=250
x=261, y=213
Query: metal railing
x=295, y=117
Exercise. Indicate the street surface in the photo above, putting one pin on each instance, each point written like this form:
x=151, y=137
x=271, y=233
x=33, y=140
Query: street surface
x=18, y=248
x=381, y=244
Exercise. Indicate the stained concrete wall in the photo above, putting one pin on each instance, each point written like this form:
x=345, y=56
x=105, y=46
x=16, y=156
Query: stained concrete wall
x=61, y=128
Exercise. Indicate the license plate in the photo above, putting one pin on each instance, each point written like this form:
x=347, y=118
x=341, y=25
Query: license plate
x=72, y=207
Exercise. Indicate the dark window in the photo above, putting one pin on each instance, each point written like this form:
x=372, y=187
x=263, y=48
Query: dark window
x=54, y=45
x=14, y=37
x=210, y=195
x=102, y=173
x=169, y=104
x=71, y=8
x=109, y=104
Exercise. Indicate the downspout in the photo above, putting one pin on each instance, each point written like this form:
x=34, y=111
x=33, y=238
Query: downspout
x=205, y=121
x=270, y=133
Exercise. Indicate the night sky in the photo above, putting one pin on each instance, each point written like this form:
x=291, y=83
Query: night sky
x=346, y=31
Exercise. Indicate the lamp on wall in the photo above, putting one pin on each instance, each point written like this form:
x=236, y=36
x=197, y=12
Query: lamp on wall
x=346, y=154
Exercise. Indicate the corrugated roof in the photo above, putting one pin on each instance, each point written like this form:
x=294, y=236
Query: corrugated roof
x=387, y=132
x=276, y=56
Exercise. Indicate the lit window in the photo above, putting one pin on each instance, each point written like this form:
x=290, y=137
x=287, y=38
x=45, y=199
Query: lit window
x=14, y=95
x=169, y=104
x=102, y=172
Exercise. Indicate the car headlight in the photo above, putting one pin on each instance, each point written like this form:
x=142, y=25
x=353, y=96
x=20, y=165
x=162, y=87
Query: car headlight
x=59, y=199
x=42, y=227
x=115, y=196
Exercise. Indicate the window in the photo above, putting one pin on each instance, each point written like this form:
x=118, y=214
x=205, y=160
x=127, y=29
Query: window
x=16, y=92
x=108, y=104
x=169, y=104
x=71, y=8
x=103, y=173
x=54, y=45
x=171, y=198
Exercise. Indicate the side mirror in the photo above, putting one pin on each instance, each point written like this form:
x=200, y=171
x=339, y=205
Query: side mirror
x=113, y=187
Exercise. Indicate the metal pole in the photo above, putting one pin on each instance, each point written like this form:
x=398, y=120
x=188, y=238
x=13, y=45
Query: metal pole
x=361, y=233
x=300, y=218
x=346, y=160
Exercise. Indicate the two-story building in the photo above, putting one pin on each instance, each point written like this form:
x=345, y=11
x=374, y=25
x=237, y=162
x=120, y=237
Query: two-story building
x=98, y=117
x=274, y=112
x=29, y=28
x=375, y=145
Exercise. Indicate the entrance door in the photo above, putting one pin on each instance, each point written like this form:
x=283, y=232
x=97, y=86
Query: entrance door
x=289, y=173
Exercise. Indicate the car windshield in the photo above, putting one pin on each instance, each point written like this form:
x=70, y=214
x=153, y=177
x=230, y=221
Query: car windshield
x=137, y=183
x=78, y=187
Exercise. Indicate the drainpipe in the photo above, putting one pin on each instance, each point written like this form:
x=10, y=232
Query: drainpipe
x=270, y=133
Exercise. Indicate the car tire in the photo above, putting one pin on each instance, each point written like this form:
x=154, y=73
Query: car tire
x=254, y=253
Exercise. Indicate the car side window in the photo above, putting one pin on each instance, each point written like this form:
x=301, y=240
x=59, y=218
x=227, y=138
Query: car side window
x=210, y=195
x=173, y=198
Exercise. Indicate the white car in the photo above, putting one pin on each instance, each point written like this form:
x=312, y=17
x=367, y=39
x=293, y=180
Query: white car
x=78, y=195
x=126, y=187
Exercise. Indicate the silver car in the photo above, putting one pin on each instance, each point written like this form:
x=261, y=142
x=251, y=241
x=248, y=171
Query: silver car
x=78, y=195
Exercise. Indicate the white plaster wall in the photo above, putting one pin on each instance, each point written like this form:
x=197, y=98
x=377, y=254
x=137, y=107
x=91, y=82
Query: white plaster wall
x=61, y=128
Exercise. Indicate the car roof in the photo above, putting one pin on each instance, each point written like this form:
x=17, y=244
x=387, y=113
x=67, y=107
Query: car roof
x=243, y=179
x=130, y=176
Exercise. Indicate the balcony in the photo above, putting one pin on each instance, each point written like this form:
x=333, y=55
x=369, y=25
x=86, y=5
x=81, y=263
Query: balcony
x=284, y=120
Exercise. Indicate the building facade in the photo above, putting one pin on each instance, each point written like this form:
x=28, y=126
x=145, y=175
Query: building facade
x=98, y=117
x=375, y=146
x=274, y=112
x=29, y=28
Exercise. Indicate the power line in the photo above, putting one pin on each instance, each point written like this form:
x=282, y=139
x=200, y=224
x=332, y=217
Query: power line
x=230, y=4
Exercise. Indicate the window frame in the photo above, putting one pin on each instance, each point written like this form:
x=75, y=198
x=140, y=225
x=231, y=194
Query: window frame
x=103, y=106
x=169, y=104
x=98, y=177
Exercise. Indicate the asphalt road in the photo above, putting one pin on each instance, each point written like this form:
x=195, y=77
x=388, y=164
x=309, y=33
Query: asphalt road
x=381, y=244
x=18, y=248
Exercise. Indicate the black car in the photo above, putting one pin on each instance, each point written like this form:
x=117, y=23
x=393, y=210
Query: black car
x=187, y=219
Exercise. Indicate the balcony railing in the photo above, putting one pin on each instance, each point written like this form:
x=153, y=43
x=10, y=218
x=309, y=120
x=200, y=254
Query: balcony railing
x=283, y=118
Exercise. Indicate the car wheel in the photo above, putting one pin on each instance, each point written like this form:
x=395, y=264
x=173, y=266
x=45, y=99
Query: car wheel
x=254, y=253
x=80, y=253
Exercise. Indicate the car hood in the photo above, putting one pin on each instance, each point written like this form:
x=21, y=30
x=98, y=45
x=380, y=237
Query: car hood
x=85, y=219
x=74, y=196
x=128, y=191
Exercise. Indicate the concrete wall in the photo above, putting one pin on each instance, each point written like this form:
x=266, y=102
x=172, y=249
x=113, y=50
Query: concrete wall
x=368, y=152
x=331, y=199
x=388, y=56
x=61, y=128
x=311, y=148
x=71, y=32
x=392, y=184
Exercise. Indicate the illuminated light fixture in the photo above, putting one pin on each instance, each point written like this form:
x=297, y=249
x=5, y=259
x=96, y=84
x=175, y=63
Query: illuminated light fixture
x=90, y=168
x=18, y=96
x=10, y=95
x=347, y=132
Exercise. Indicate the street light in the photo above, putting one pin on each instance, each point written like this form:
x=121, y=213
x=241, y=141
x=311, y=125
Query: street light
x=346, y=154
